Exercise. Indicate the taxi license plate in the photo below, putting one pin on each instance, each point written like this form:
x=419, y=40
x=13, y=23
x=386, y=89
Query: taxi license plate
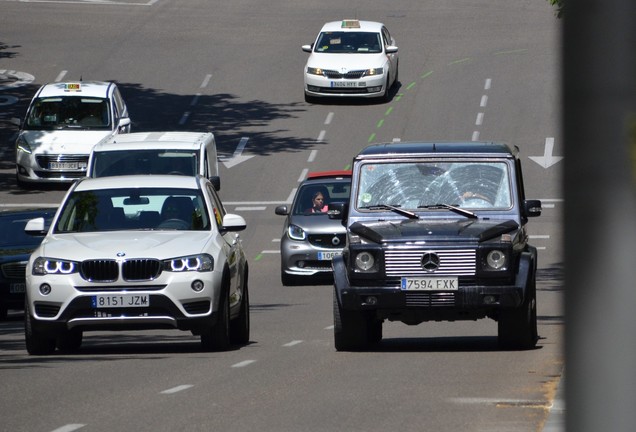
x=347, y=84
x=63, y=165
x=328, y=256
x=429, y=284
x=119, y=301
x=17, y=288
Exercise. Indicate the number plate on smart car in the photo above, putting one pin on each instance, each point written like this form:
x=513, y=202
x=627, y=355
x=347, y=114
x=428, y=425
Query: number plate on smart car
x=328, y=256
x=429, y=284
x=119, y=301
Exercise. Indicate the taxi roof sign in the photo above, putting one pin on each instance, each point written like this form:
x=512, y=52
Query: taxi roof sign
x=350, y=23
x=72, y=87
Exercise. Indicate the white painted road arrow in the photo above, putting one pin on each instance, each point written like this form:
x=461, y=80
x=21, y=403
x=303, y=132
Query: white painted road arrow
x=237, y=157
x=547, y=160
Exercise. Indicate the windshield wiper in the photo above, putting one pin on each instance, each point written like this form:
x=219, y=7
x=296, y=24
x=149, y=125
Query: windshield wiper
x=453, y=208
x=395, y=209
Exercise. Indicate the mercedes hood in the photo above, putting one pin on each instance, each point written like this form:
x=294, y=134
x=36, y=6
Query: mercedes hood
x=412, y=230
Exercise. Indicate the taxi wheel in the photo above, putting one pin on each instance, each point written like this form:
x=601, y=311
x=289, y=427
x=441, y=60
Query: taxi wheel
x=386, y=96
x=310, y=99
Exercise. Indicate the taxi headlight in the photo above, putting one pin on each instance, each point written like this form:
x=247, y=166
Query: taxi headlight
x=374, y=71
x=296, y=233
x=43, y=266
x=21, y=144
x=314, y=71
x=364, y=261
x=496, y=260
x=199, y=263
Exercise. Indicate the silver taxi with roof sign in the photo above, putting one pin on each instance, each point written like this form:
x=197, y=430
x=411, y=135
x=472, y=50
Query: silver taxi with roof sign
x=62, y=124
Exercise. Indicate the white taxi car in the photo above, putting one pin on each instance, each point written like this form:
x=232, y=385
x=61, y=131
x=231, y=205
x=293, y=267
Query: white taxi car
x=351, y=58
x=62, y=124
x=137, y=252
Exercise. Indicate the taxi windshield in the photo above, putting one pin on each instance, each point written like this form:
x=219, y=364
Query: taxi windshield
x=349, y=42
x=73, y=112
x=429, y=185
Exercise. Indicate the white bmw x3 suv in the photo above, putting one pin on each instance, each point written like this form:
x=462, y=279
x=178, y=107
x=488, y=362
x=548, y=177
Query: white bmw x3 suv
x=351, y=58
x=137, y=252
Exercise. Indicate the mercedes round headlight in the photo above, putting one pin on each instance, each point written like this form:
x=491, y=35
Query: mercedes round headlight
x=365, y=261
x=496, y=260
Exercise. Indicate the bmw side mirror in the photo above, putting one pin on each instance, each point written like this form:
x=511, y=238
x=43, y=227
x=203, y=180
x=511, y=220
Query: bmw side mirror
x=36, y=227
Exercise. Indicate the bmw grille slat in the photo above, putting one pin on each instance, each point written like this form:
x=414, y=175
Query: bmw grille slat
x=408, y=262
x=141, y=269
x=105, y=270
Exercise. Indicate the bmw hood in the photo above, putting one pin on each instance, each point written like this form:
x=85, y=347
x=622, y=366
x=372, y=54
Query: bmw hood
x=132, y=244
x=64, y=141
x=346, y=62
x=419, y=230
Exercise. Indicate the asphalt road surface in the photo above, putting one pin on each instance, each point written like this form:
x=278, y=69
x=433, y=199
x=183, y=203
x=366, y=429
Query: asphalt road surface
x=469, y=70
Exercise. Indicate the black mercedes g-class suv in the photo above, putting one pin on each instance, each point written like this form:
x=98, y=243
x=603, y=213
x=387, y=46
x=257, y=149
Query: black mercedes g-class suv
x=436, y=231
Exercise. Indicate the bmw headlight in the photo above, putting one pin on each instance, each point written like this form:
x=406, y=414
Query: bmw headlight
x=21, y=144
x=198, y=263
x=496, y=260
x=374, y=71
x=314, y=71
x=296, y=233
x=43, y=266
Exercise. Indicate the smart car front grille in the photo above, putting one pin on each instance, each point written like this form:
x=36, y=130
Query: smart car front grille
x=141, y=269
x=354, y=74
x=409, y=262
x=336, y=241
x=14, y=270
x=99, y=270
